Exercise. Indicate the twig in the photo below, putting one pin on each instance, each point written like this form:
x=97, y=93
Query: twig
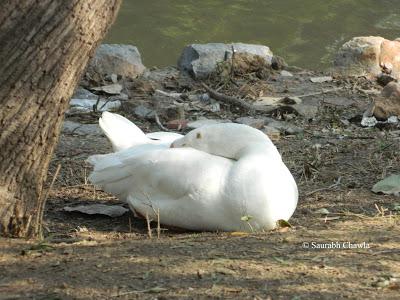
x=148, y=226
x=158, y=224
x=40, y=213
x=386, y=251
x=232, y=100
x=337, y=183
x=159, y=123
x=239, y=102
x=95, y=105
x=319, y=93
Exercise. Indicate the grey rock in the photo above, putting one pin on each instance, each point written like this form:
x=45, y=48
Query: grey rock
x=215, y=106
x=124, y=60
x=369, y=121
x=82, y=93
x=256, y=123
x=144, y=112
x=200, y=60
x=70, y=127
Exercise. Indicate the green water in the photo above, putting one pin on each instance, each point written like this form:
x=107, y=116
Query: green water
x=305, y=32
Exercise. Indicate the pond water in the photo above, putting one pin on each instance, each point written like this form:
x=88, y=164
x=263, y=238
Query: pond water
x=305, y=32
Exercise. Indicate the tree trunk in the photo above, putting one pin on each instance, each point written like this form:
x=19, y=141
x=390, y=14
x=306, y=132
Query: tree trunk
x=44, y=48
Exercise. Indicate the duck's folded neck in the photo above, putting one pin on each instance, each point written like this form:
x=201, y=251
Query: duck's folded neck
x=259, y=149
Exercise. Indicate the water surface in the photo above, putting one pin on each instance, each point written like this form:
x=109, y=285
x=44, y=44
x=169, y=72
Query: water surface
x=305, y=32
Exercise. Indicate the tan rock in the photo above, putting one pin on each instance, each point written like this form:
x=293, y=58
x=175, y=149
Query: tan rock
x=369, y=56
x=389, y=58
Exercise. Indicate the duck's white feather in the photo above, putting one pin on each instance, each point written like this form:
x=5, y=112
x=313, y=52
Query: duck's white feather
x=242, y=186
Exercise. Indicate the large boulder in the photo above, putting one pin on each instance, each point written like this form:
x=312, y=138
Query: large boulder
x=124, y=60
x=369, y=56
x=200, y=60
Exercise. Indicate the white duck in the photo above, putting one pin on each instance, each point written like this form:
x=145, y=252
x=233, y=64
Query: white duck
x=227, y=177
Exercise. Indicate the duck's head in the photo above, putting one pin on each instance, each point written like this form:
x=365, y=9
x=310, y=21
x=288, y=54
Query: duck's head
x=227, y=139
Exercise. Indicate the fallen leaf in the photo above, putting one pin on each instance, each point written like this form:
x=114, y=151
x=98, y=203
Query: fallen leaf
x=389, y=185
x=111, y=89
x=283, y=224
x=322, y=211
x=98, y=209
x=329, y=219
x=271, y=101
x=321, y=79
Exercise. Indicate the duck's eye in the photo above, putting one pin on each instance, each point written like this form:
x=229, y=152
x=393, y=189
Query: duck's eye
x=198, y=135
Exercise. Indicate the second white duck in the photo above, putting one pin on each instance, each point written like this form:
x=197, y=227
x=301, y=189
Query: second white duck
x=227, y=177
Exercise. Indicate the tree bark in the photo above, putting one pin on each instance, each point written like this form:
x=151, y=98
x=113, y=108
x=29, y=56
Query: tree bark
x=44, y=48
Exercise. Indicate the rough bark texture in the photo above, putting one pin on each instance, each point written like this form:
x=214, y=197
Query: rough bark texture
x=44, y=48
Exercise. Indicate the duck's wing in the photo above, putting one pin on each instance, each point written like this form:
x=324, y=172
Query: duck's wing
x=168, y=179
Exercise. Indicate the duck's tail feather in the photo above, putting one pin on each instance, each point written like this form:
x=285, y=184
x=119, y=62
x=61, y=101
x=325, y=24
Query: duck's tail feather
x=121, y=132
x=110, y=174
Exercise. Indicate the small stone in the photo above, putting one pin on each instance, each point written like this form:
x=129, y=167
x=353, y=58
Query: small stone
x=321, y=79
x=215, y=106
x=322, y=211
x=383, y=283
x=114, y=78
x=285, y=73
x=205, y=97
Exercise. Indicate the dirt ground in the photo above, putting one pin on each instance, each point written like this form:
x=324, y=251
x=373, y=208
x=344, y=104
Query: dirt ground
x=335, y=163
